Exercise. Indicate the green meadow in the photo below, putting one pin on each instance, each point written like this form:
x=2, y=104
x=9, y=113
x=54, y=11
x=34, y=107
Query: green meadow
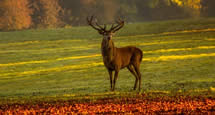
x=179, y=57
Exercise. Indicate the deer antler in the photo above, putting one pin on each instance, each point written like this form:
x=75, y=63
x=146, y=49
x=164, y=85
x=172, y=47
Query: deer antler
x=97, y=26
x=120, y=24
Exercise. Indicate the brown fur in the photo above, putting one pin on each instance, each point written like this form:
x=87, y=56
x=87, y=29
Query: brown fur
x=118, y=58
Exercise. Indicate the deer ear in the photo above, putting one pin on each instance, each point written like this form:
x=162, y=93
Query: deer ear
x=113, y=33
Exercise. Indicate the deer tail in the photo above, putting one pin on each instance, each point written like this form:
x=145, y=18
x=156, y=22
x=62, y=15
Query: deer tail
x=141, y=55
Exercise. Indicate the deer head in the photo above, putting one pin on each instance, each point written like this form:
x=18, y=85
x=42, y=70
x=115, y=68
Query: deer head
x=107, y=34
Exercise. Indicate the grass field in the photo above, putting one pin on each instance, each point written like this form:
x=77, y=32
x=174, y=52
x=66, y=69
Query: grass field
x=179, y=56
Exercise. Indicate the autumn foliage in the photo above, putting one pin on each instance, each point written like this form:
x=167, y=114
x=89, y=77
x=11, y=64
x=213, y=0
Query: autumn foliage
x=179, y=105
x=49, y=13
x=15, y=14
x=22, y=14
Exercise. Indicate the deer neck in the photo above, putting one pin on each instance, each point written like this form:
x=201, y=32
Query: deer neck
x=108, y=50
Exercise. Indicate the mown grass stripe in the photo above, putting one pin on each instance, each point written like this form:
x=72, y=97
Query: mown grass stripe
x=47, y=61
x=59, y=41
x=69, y=49
x=166, y=42
x=190, y=31
x=23, y=63
x=178, y=57
x=179, y=49
x=58, y=69
x=45, y=50
x=171, y=33
x=97, y=55
x=77, y=57
x=37, y=42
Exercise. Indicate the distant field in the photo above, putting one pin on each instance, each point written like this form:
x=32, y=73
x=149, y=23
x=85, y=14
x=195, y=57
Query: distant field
x=179, y=56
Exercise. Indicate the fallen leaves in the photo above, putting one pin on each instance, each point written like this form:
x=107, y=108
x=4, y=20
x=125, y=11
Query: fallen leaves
x=110, y=106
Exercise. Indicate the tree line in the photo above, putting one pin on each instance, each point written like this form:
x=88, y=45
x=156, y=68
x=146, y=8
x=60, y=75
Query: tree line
x=25, y=14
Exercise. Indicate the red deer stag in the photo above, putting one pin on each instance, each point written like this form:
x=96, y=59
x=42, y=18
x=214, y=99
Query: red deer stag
x=117, y=58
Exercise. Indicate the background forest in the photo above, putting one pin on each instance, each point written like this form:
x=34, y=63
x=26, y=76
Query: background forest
x=25, y=14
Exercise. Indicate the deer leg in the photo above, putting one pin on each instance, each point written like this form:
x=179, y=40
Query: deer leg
x=115, y=78
x=111, y=78
x=131, y=69
x=137, y=69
